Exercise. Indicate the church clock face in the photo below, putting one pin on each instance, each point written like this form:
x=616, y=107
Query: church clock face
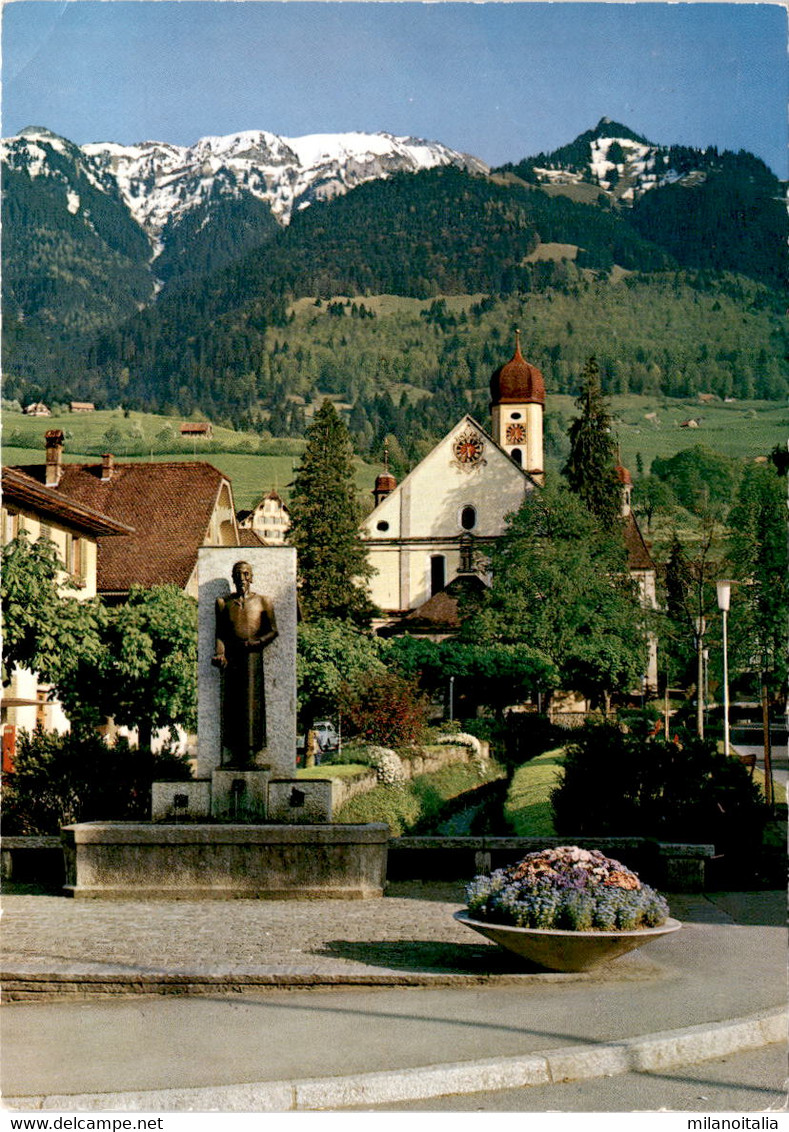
x=516, y=434
x=468, y=449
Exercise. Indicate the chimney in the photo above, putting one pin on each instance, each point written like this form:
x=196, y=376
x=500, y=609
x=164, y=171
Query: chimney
x=107, y=466
x=54, y=450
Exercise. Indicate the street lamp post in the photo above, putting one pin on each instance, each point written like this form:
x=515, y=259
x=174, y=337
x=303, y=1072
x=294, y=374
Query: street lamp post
x=724, y=598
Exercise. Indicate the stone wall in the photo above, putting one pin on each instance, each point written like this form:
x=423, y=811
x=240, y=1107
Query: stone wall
x=128, y=861
x=671, y=866
x=428, y=761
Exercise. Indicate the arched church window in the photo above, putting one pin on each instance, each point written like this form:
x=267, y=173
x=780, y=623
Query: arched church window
x=517, y=457
x=468, y=518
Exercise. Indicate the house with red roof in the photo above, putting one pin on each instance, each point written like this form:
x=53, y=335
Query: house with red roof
x=170, y=510
x=29, y=505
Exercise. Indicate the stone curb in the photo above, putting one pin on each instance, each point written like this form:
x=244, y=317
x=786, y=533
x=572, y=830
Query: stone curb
x=27, y=984
x=651, y=1053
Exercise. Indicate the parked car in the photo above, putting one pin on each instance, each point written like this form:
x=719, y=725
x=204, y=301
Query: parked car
x=326, y=732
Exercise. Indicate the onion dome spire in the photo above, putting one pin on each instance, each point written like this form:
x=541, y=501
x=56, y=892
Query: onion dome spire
x=517, y=381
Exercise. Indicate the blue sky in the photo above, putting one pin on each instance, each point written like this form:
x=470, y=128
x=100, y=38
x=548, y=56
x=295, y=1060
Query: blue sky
x=499, y=80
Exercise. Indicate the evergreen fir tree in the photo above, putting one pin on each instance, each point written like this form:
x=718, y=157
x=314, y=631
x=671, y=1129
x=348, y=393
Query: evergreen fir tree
x=332, y=559
x=591, y=466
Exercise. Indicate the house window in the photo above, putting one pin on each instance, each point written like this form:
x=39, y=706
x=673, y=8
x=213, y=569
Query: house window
x=42, y=701
x=10, y=526
x=466, y=555
x=75, y=559
x=438, y=573
x=468, y=518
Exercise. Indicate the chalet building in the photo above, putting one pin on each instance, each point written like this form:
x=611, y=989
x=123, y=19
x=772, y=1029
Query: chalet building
x=75, y=529
x=169, y=509
x=269, y=519
x=81, y=407
x=429, y=537
x=202, y=430
x=38, y=409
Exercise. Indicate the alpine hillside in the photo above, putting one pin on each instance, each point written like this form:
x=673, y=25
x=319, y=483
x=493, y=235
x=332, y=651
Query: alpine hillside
x=158, y=276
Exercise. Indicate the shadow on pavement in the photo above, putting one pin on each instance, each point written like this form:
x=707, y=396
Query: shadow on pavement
x=475, y=960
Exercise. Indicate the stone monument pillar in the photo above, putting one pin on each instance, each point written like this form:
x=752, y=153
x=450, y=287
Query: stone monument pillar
x=246, y=674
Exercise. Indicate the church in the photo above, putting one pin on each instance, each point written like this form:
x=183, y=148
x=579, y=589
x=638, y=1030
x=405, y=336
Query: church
x=429, y=536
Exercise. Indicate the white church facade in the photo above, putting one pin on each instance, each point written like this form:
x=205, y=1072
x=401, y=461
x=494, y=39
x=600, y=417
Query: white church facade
x=437, y=526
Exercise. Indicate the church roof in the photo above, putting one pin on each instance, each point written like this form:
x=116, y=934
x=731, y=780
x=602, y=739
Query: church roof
x=638, y=556
x=385, y=482
x=517, y=381
x=440, y=614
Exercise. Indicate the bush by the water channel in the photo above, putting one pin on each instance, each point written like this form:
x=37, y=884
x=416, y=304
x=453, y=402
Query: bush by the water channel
x=632, y=783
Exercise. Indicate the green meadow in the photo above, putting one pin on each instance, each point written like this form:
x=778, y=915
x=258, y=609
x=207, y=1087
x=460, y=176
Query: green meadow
x=649, y=426
x=254, y=465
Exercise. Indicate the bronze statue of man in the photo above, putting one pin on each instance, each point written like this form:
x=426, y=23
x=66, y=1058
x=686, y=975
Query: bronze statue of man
x=245, y=625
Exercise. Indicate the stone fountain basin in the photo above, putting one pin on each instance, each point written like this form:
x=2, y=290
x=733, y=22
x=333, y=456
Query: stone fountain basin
x=561, y=950
x=195, y=861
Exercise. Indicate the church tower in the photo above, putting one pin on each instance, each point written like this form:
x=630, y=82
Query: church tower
x=517, y=403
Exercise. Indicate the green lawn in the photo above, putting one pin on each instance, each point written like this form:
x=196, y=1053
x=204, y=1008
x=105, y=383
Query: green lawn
x=332, y=770
x=742, y=428
x=403, y=807
x=528, y=805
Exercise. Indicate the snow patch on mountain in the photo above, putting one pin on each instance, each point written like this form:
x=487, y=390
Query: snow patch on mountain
x=619, y=165
x=160, y=182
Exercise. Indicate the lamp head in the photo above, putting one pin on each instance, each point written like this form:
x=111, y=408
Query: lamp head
x=724, y=595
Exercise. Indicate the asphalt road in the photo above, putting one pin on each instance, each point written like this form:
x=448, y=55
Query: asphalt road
x=751, y=1082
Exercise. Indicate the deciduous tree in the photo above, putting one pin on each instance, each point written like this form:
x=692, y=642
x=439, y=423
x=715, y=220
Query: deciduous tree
x=562, y=592
x=136, y=662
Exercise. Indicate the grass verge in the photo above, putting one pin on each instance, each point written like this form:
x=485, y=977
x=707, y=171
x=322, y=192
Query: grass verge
x=404, y=806
x=528, y=805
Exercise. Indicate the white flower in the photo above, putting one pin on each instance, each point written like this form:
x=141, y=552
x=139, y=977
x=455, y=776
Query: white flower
x=463, y=739
x=387, y=765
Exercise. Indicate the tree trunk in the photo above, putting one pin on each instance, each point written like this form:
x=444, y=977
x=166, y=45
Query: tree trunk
x=144, y=735
x=768, y=763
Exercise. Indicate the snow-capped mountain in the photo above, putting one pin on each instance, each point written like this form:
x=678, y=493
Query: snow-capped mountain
x=160, y=182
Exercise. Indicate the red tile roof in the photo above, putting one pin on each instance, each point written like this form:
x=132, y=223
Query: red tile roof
x=169, y=505
x=249, y=537
x=26, y=492
x=441, y=612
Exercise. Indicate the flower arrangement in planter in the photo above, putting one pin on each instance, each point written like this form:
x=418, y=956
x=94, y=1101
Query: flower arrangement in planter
x=566, y=909
x=567, y=888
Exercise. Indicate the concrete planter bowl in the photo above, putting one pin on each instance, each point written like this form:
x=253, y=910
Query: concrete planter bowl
x=559, y=950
